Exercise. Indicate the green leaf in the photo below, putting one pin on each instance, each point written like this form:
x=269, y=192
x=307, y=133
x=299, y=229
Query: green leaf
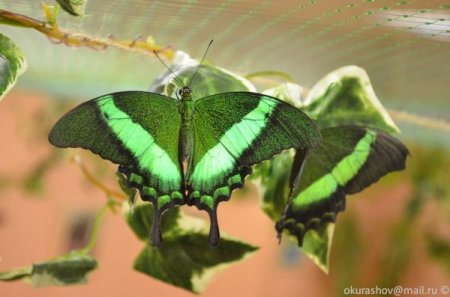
x=275, y=182
x=348, y=244
x=66, y=270
x=343, y=97
x=274, y=178
x=346, y=97
x=208, y=80
x=288, y=92
x=34, y=181
x=439, y=249
x=184, y=260
x=317, y=245
x=73, y=7
x=12, y=64
x=141, y=217
x=16, y=274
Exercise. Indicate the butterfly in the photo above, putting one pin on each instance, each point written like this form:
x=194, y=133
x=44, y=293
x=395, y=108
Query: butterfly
x=349, y=159
x=185, y=151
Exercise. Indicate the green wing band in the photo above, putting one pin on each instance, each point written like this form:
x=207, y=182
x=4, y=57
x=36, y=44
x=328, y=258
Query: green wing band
x=349, y=159
x=220, y=160
x=150, y=157
x=340, y=175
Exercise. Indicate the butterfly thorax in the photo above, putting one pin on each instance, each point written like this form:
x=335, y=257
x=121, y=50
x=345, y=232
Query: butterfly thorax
x=186, y=109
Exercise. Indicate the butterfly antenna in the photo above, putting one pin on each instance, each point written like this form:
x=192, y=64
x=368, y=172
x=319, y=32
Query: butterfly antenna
x=201, y=62
x=168, y=68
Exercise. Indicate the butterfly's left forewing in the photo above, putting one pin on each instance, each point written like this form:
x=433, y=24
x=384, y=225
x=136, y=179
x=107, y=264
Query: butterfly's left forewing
x=136, y=130
x=232, y=132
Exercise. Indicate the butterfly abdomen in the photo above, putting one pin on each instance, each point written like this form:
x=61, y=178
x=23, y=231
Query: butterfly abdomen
x=186, y=139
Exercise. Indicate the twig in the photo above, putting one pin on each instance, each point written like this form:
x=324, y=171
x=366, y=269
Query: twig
x=110, y=193
x=100, y=215
x=420, y=120
x=82, y=40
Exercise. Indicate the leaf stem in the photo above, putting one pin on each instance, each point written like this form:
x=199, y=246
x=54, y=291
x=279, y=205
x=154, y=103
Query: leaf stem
x=96, y=226
x=420, y=120
x=109, y=192
x=56, y=35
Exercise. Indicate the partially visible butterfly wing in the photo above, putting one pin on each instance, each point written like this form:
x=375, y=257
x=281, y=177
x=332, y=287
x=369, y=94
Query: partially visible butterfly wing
x=137, y=130
x=349, y=159
x=233, y=131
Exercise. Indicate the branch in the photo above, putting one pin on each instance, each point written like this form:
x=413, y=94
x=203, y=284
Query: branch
x=56, y=35
x=96, y=227
x=109, y=192
x=420, y=120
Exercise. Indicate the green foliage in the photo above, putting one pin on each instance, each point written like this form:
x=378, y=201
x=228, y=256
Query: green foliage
x=346, y=97
x=274, y=177
x=398, y=253
x=209, y=79
x=289, y=92
x=348, y=245
x=439, y=249
x=73, y=7
x=65, y=270
x=343, y=97
x=317, y=245
x=12, y=64
x=184, y=260
x=34, y=181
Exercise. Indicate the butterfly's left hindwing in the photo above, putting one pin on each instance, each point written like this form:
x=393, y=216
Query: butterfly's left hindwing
x=349, y=159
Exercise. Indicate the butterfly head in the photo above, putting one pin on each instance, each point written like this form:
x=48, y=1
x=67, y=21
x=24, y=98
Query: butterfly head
x=184, y=93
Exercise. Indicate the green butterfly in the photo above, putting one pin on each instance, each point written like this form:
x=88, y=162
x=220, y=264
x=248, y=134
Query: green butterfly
x=349, y=159
x=184, y=151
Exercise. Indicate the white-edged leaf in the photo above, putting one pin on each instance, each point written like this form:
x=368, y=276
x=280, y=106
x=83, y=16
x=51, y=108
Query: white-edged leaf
x=346, y=97
x=73, y=7
x=288, y=92
x=12, y=64
x=317, y=245
x=185, y=259
x=65, y=270
x=208, y=80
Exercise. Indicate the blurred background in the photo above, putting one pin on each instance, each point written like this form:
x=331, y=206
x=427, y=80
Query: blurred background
x=394, y=233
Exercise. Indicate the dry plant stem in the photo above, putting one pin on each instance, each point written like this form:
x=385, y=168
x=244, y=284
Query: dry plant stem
x=420, y=120
x=81, y=40
x=95, y=229
x=110, y=193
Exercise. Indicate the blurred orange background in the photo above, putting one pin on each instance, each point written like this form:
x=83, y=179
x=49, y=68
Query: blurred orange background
x=36, y=225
